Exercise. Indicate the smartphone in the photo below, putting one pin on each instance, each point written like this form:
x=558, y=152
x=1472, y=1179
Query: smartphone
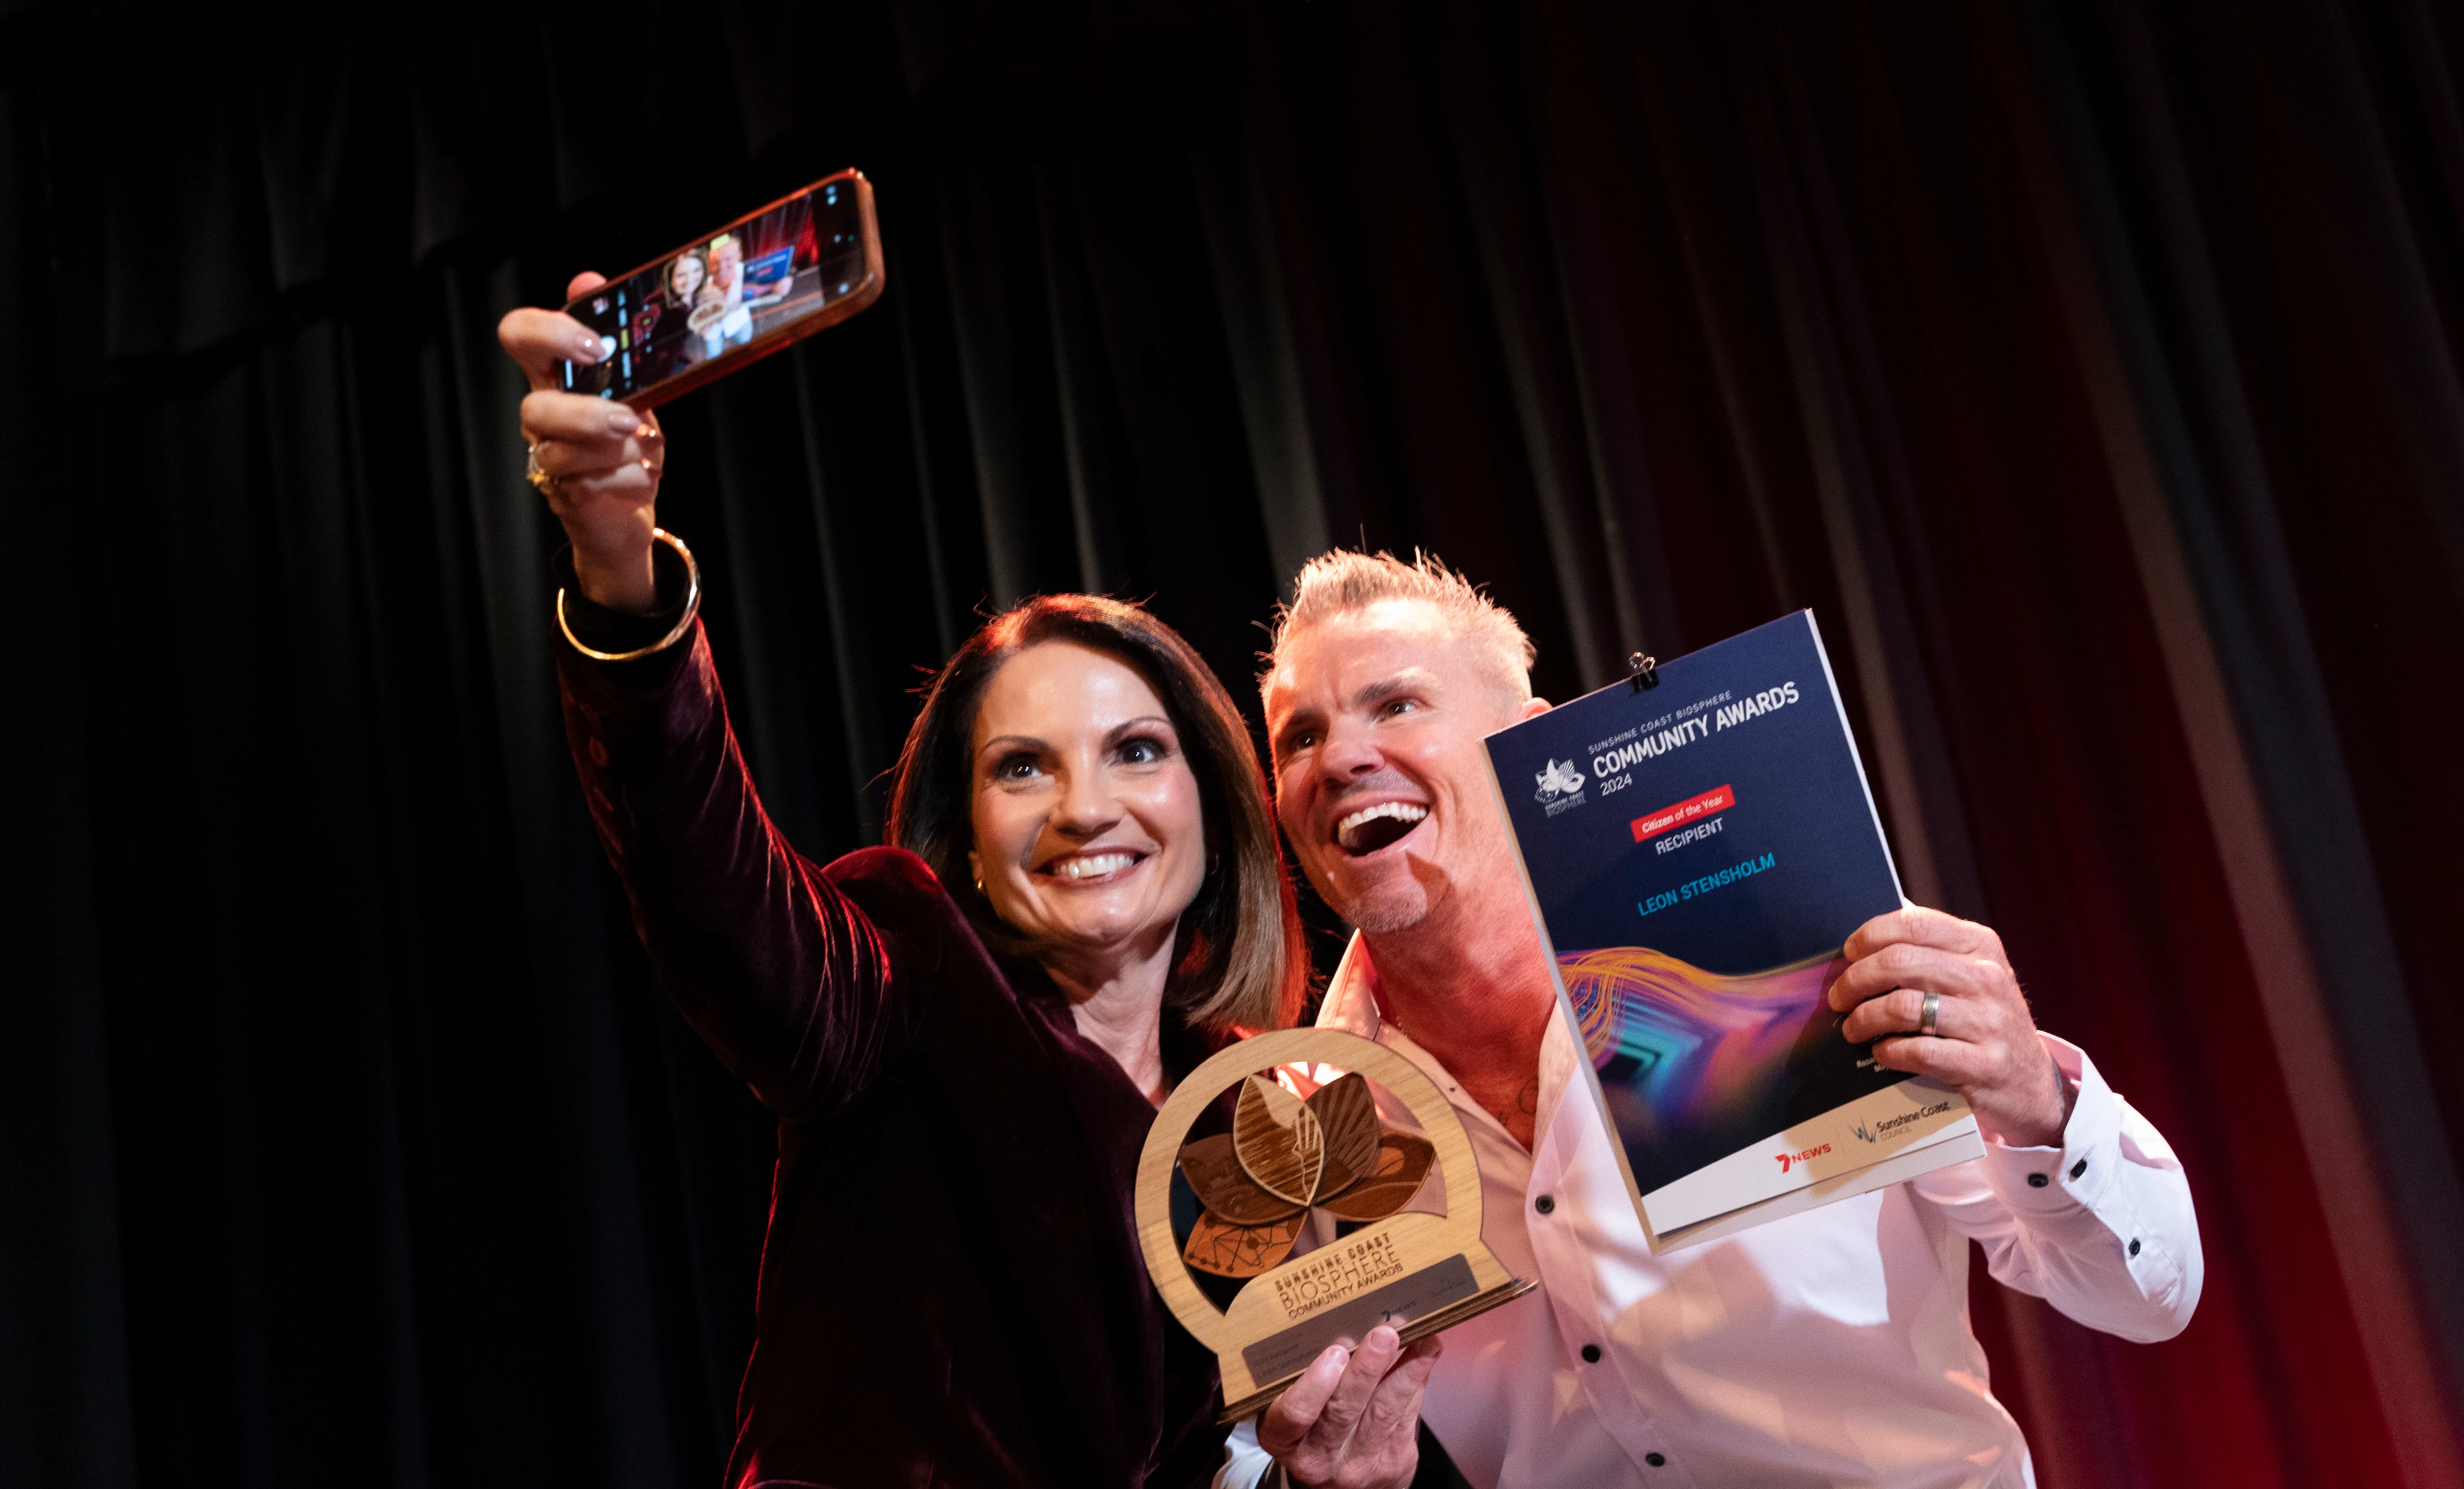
x=764, y=282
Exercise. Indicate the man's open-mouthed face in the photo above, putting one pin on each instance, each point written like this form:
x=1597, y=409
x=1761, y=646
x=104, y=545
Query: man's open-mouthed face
x=1376, y=719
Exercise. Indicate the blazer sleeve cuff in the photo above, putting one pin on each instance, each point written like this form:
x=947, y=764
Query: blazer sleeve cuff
x=602, y=629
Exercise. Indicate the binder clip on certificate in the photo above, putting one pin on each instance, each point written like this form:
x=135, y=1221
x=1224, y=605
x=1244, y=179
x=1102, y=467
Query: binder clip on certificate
x=1309, y=1154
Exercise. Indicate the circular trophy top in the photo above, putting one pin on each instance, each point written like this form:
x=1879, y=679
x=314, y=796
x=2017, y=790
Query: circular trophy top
x=1285, y=1159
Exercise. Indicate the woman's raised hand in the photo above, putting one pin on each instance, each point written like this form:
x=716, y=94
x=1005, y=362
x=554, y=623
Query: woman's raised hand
x=604, y=459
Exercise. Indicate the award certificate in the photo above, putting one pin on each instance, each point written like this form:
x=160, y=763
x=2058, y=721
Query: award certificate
x=1698, y=845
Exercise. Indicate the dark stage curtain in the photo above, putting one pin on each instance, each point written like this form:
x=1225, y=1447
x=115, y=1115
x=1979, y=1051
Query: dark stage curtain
x=2091, y=370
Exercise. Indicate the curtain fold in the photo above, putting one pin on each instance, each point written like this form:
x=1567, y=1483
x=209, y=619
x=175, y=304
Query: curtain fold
x=2091, y=371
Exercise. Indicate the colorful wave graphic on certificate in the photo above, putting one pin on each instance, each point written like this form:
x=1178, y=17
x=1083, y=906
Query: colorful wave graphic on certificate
x=1697, y=1064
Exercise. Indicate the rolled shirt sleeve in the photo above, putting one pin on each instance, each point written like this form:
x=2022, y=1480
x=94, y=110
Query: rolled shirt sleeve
x=2101, y=1227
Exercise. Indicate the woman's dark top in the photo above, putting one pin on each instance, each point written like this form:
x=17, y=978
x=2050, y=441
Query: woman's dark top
x=952, y=1291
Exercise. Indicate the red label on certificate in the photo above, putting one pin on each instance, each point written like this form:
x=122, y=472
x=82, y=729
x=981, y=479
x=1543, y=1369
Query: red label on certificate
x=1716, y=800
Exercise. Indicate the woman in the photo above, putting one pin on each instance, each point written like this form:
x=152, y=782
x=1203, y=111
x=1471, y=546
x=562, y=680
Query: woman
x=964, y=1035
x=672, y=343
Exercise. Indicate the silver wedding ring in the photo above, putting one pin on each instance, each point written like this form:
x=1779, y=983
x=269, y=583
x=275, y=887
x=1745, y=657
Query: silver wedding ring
x=1929, y=1017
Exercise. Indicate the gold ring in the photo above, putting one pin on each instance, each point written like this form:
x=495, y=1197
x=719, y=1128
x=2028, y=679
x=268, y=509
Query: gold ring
x=531, y=472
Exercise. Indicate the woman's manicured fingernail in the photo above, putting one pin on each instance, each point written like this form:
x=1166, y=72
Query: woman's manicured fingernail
x=623, y=423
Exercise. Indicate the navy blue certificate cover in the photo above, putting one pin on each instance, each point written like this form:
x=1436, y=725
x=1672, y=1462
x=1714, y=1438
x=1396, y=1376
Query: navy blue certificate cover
x=1697, y=851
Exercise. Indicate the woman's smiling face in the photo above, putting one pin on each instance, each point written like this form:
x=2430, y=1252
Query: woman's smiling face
x=684, y=277
x=1090, y=831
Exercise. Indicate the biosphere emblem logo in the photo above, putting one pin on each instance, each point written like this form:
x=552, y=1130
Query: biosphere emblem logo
x=1562, y=779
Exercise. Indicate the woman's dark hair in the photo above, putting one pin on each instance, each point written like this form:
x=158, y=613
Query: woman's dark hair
x=1239, y=960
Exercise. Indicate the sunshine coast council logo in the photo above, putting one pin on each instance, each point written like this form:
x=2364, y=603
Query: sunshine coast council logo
x=1859, y=1130
x=1561, y=786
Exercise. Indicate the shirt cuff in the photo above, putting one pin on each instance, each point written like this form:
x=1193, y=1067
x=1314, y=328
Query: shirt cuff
x=1246, y=1465
x=2048, y=1181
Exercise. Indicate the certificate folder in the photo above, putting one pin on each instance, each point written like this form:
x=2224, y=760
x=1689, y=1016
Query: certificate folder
x=1698, y=843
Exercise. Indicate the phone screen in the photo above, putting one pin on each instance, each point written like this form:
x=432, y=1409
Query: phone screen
x=758, y=276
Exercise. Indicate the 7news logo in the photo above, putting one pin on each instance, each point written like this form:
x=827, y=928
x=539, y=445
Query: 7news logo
x=1807, y=1157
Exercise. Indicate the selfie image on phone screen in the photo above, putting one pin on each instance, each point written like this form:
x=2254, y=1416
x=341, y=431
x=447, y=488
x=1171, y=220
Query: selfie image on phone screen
x=719, y=301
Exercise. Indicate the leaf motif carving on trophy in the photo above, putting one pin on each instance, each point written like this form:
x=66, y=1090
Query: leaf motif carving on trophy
x=1277, y=1140
x=1240, y=1251
x=1226, y=1189
x=1346, y=1115
x=1404, y=1162
x=1255, y=1184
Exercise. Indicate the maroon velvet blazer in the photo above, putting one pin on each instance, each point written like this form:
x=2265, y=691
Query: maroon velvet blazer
x=952, y=1291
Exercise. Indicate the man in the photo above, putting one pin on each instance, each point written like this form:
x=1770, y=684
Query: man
x=1826, y=1347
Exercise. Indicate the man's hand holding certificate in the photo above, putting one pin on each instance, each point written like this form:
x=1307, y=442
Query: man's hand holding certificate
x=1936, y=996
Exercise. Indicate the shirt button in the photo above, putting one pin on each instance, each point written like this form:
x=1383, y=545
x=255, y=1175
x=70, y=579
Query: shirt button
x=2134, y=1247
x=2079, y=1167
x=1656, y=1460
x=1545, y=1203
x=2038, y=1181
x=1592, y=1354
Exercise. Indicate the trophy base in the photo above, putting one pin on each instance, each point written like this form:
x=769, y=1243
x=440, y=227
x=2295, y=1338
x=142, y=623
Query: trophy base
x=1442, y=1319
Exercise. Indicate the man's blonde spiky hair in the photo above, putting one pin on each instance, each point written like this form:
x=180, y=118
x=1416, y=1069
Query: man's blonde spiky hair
x=1344, y=580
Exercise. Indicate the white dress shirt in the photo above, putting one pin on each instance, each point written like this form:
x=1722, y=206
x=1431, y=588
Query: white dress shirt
x=1827, y=1348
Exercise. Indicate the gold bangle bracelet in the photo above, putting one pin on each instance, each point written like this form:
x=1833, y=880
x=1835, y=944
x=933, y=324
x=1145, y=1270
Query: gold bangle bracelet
x=684, y=621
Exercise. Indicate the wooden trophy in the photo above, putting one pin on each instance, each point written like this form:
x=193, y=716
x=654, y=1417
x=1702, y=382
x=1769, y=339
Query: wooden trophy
x=1287, y=1159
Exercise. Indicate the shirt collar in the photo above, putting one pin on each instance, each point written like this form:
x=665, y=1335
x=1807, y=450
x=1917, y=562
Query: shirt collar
x=1354, y=1002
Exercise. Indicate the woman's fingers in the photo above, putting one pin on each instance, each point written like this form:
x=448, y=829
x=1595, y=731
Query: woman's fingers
x=582, y=422
x=539, y=340
x=630, y=485
x=601, y=504
x=606, y=459
x=601, y=459
x=633, y=472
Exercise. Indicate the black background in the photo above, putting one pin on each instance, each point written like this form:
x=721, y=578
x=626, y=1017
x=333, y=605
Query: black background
x=343, y=1134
